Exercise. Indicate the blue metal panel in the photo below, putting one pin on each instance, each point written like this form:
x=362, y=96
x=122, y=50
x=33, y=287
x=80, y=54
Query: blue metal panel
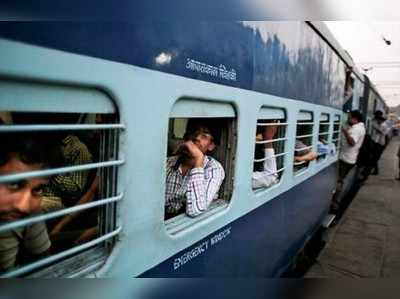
x=34, y=97
x=257, y=245
x=286, y=59
x=143, y=108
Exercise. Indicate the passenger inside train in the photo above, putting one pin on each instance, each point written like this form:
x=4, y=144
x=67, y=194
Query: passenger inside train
x=193, y=177
x=19, y=199
x=93, y=142
x=303, y=152
x=264, y=167
x=36, y=151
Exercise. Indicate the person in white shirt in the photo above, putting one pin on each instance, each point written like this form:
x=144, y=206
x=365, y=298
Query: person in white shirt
x=351, y=143
x=350, y=148
x=379, y=132
x=265, y=170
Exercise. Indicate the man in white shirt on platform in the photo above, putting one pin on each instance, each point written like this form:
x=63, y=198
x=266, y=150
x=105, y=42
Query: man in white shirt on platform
x=351, y=143
x=379, y=132
x=353, y=137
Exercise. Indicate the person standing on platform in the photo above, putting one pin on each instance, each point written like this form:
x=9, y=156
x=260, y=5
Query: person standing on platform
x=350, y=148
x=378, y=135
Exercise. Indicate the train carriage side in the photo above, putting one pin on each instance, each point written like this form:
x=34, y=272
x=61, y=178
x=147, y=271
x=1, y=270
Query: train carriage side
x=235, y=75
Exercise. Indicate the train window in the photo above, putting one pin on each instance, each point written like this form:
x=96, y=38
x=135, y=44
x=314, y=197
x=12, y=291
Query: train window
x=269, y=153
x=336, y=132
x=304, y=140
x=323, y=136
x=200, y=157
x=58, y=175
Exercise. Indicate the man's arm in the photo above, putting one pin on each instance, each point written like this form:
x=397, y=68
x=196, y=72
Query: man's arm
x=307, y=157
x=203, y=185
x=378, y=127
x=268, y=176
x=348, y=137
x=87, y=197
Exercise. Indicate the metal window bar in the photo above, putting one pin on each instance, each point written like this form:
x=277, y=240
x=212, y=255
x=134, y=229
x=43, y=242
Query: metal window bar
x=115, y=180
x=50, y=172
x=80, y=127
x=271, y=157
x=303, y=148
x=305, y=123
x=53, y=258
x=102, y=183
x=280, y=148
x=271, y=124
x=110, y=210
x=279, y=170
x=336, y=133
x=108, y=183
x=59, y=213
x=304, y=136
x=323, y=131
x=270, y=141
x=278, y=143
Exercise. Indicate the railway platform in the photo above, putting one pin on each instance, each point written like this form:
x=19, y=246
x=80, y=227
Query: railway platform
x=366, y=240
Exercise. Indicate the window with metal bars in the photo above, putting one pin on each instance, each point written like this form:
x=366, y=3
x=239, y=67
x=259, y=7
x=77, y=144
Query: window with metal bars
x=323, y=136
x=269, y=153
x=193, y=190
x=304, y=140
x=68, y=223
x=336, y=132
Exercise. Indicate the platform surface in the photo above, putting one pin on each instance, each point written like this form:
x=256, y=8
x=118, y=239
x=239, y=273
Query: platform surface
x=366, y=241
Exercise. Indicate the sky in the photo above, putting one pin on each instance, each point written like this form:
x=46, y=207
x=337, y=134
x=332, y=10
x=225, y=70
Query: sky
x=364, y=41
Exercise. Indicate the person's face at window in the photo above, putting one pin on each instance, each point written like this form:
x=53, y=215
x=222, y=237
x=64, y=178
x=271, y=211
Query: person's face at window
x=204, y=142
x=20, y=198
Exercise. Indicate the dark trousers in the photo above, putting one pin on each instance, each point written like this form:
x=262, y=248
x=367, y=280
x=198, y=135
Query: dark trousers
x=344, y=169
x=378, y=151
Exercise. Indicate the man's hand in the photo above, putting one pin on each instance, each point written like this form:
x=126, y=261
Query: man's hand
x=349, y=139
x=197, y=157
x=269, y=132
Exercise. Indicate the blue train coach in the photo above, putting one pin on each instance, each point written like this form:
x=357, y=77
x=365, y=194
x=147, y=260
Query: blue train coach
x=129, y=92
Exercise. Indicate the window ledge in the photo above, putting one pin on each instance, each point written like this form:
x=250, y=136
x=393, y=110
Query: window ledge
x=75, y=266
x=181, y=223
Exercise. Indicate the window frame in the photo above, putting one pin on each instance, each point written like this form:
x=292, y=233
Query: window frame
x=267, y=113
x=323, y=122
x=192, y=108
x=308, y=121
x=336, y=132
x=93, y=101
